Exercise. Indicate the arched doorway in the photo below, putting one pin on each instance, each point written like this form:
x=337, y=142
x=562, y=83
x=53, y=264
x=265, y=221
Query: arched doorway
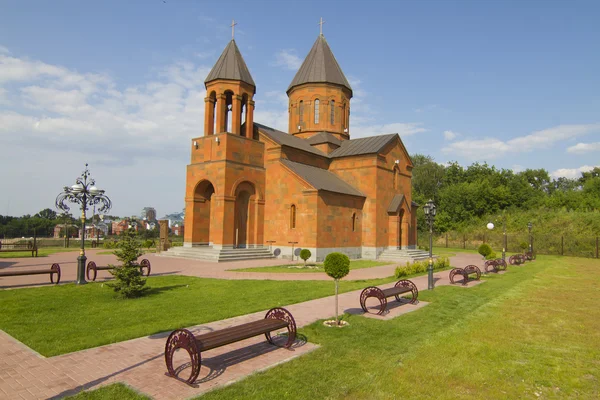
x=244, y=198
x=202, y=213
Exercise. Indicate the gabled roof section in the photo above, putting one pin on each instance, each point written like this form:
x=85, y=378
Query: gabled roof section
x=396, y=203
x=286, y=139
x=367, y=145
x=320, y=66
x=321, y=179
x=231, y=66
x=324, y=137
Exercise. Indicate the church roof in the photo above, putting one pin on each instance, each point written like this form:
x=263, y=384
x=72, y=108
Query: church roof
x=322, y=179
x=286, y=139
x=320, y=66
x=367, y=145
x=230, y=65
x=324, y=137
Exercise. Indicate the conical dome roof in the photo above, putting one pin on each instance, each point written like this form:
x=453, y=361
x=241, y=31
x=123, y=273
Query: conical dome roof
x=320, y=66
x=230, y=65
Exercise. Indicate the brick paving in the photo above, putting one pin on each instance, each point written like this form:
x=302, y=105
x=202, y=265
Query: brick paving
x=139, y=363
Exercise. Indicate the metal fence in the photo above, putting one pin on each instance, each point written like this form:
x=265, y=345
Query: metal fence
x=562, y=245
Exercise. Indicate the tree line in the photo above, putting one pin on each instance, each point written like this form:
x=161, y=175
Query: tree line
x=463, y=194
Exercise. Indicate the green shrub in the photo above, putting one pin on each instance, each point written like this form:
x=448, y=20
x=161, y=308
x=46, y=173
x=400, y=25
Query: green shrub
x=337, y=266
x=148, y=243
x=305, y=255
x=419, y=267
x=128, y=277
x=524, y=246
x=484, y=249
x=491, y=256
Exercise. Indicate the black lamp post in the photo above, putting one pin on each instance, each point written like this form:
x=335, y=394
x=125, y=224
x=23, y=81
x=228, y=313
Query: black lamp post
x=529, y=226
x=430, y=211
x=490, y=226
x=83, y=192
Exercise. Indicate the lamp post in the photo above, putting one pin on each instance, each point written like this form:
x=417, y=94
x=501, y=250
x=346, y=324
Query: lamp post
x=529, y=226
x=490, y=226
x=85, y=193
x=430, y=211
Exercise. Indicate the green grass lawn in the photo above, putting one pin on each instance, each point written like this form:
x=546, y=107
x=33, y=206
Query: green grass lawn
x=311, y=267
x=60, y=319
x=42, y=252
x=116, y=391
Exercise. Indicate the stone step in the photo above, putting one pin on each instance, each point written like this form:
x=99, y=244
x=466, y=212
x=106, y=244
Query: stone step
x=209, y=253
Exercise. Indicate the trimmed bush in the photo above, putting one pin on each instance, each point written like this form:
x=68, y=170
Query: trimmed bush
x=491, y=256
x=305, y=255
x=524, y=246
x=337, y=266
x=484, y=249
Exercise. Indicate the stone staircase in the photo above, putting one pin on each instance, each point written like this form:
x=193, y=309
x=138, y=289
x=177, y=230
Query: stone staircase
x=208, y=253
x=404, y=255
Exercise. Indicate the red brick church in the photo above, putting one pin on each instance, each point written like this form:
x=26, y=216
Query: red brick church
x=250, y=186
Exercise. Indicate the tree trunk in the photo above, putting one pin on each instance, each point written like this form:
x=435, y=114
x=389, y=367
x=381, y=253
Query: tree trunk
x=336, y=303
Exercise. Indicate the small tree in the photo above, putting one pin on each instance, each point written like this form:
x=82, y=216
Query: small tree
x=337, y=266
x=484, y=249
x=128, y=277
x=305, y=255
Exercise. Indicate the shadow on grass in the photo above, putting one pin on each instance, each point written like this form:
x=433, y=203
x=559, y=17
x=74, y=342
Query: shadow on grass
x=152, y=291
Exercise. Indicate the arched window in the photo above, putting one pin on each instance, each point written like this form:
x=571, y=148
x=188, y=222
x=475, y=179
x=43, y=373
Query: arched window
x=316, y=111
x=293, y=216
x=332, y=105
x=353, y=222
x=301, y=111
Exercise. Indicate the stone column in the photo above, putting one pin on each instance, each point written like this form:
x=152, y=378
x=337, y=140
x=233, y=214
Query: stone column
x=250, y=119
x=221, y=113
x=236, y=114
x=209, y=116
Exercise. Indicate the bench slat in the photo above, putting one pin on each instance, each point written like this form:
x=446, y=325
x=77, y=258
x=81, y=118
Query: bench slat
x=396, y=290
x=233, y=334
x=19, y=273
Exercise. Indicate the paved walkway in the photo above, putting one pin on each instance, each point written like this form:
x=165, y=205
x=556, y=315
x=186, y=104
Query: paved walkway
x=140, y=362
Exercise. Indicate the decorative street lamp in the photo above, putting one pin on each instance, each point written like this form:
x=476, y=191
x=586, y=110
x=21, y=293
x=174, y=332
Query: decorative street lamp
x=85, y=193
x=430, y=211
x=529, y=226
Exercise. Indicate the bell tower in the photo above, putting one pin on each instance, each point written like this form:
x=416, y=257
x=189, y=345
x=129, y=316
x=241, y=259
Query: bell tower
x=319, y=95
x=230, y=89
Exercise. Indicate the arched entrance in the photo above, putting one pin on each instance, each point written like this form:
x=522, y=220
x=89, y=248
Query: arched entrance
x=244, y=218
x=202, y=213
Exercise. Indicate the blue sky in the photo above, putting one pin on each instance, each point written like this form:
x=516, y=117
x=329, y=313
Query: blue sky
x=120, y=85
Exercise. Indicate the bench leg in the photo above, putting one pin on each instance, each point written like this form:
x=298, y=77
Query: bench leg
x=183, y=339
x=283, y=315
x=373, y=291
x=89, y=269
x=145, y=263
x=55, y=269
x=413, y=289
x=454, y=272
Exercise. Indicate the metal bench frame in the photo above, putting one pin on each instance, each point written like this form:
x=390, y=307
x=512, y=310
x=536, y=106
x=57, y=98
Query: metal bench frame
x=495, y=265
x=54, y=269
x=401, y=287
x=465, y=272
x=276, y=319
x=91, y=270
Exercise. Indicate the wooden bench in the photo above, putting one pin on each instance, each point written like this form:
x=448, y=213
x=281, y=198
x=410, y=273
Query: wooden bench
x=91, y=270
x=495, y=265
x=19, y=247
x=54, y=269
x=465, y=272
x=401, y=287
x=276, y=319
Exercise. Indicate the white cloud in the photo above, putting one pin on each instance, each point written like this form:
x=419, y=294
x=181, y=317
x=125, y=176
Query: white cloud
x=4, y=50
x=449, y=135
x=288, y=59
x=572, y=173
x=492, y=148
x=403, y=129
x=581, y=148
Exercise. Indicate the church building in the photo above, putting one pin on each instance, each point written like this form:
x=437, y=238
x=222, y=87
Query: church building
x=250, y=186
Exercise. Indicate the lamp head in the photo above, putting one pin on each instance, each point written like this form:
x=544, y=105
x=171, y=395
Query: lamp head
x=77, y=188
x=490, y=226
x=530, y=225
